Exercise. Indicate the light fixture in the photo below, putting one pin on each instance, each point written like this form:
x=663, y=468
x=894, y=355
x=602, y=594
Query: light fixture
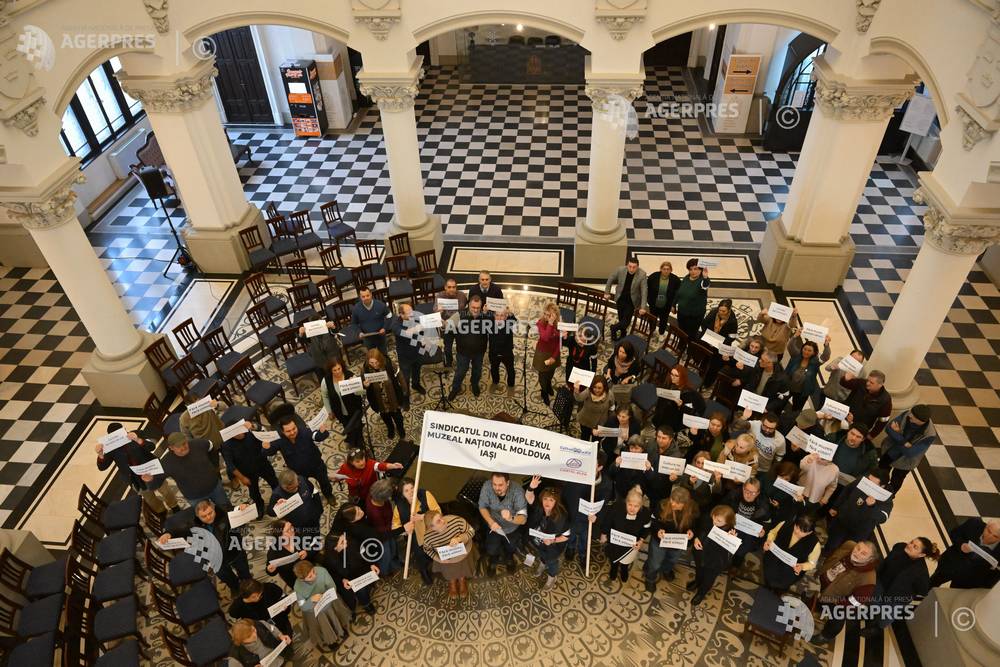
x=520, y=28
x=711, y=26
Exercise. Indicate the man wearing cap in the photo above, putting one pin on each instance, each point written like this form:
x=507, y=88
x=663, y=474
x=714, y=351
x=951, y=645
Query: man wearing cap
x=245, y=458
x=907, y=440
x=630, y=286
x=136, y=452
x=189, y=464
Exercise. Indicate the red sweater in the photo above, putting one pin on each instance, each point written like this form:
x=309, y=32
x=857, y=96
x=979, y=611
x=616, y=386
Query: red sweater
x=548, y=338
x=379, y=517
x=360, y=481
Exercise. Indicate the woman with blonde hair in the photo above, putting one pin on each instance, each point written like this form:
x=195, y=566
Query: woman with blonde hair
x=254, y=640
x=328, y=628
x=627, y=522
x=548, y=349
x=442, y=531
x=676, y=514
x=386, y=397
x=741, y=449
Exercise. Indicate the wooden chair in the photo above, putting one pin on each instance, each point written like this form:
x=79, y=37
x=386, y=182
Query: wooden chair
x=189, y=337
x=306, y=302
x=264, y=328
x=260, y=291
x=282, y=238
x=205, y=647
x=161, y=356
x=370, y=254
x=399, y=245
x=260, y=256
x=699, y=356
x=298, y=363
x=427, y=265
x=194, y=380
x=305, y=237
x=338, y=230
x=567, y=298
x=333, y=264
x=400, y=288
x=256, y=391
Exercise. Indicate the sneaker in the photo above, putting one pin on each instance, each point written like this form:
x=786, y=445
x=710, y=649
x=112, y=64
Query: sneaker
x=550, y=583
x=371, y=609
x=697, y=599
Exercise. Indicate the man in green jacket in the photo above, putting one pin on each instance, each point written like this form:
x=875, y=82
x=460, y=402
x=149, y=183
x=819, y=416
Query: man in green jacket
x=692, y=299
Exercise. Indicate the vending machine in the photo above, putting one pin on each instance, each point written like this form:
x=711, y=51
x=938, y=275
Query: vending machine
x=305, y=99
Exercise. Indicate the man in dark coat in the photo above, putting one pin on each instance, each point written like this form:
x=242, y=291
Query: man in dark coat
x=135, y=452
x=204, y=515
x=244, y=455
x=298, y=446
x=856, y=515
x=661, y=292
x=961, y=565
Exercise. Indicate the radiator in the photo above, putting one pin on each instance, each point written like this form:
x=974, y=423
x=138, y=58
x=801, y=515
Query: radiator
x=123, y=154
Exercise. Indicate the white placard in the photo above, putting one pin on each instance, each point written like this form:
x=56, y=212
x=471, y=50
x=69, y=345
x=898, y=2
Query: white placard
x=350, y=386
x=727, y=350
x=694, y=421
x=668, y=394
x=712, y=338
x=114, y=440
x=982, y=553
x=445, y=303
x=714, y=466
x=745, y=525
x=590, y=508
x=198, y=407
x=708, y=262
x=835, y=409
x=622, y=539
x=744, y=357
x=815, y=332
x=693, y=471
x=571, y=327
x=581, y=376
x=797, y=437
x=284, y=560
x=232, y=431
x=534, y=532
x=778, y=311
x=325, y=600
x=496, y=305
x=782, y=555
x=315, y=328
x=671, y=465
x=318, y=420
x=791, y=489
x=377, y=376
x=728, y=542
x=674, y=541
x=432, y=321
x=365, y=579
x=265, y=436
x=737, y=471
x=274, y=655
x=919, y=115
x=634, y=460
x=151, y=467
x=870, y=488
x=606, y=431
x=849, y=364
x=449, y=552
x=173, y=543
x=281, y=605
x=529, y=560
x=820, y=446
x=291, y=504
x=755, y=402
x=239, y=517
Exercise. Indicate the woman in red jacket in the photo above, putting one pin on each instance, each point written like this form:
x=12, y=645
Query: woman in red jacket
x=547, y=351
x=360, y=472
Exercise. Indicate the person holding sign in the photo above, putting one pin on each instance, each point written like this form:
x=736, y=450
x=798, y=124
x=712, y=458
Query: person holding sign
x=661, y=292
x=692, y=298
x=743, y=450
x=581, y=517
x=791, y=549
x=298, y=445
x=386, y=397
x=328, y=626
x=819, y=480
x=448, y=532
x=803, y=367
x=378, y=512
x=907, y=440
x=740, y=374
x=594, y=406
x=548, y=350
x=671, y=411
x=835, y=373
x=869, y=401
x=345, y=555
x=710, y=558
x=657, y=484
x=205, y=426
x=902, y=578
x=847, y=577
x=776, y=332
x=369, y=315
x=254, y=640
x=623, y=532
x=286, y=547
x=692, y=439
x=205, y=515
x=254, y=600
x=581, y=350
x=674, y=515
x=189, y=464
x=306, y=517
x=410, y=356
x=504, y=509
x=625, y=426
x=347, y=408
x=625, y=478
x=502, y=350
x=770, y=442
x=548, y=528
x=471, y=341
x=485, y=288
x=702, y=486
x=856, y=514
x=748, y=502
x=360, y=472
x=629, y=282
x=451, y=296
x=962, y=564
x=722, y=321
x=786, y=506
x=247, y=463
x=855, y=454
x=136, y=451
x=322, y=348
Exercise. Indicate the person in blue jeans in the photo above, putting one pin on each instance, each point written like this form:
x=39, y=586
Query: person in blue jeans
x=676, y=514
x=577, y=546
x=548, y=528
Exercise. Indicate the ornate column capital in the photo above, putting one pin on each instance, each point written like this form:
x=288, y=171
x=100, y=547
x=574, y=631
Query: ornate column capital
x=605, y=90
x=48, y=205
x=24, y=114
x=849, y=99
x=157, y=10
x=172, y=94
x=976, y=126
x=954, y=229
x=618, y=16
x=377, y=15
x=866, y=12
x=393, y=92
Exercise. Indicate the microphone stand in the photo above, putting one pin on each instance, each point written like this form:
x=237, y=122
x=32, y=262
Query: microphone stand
x=443, y=404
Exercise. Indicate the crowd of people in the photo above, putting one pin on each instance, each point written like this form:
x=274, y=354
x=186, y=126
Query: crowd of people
x=710, y=491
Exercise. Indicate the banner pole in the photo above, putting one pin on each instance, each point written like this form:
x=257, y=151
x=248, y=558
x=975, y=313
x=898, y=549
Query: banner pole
x=590, y=527
x=413, y=507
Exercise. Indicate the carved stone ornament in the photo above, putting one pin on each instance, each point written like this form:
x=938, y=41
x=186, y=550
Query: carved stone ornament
x=157, y=10
x=866, y=12
x=858, y=100
x=618, y=16
x=392, y=93
x=601, y=94
x=957, y=239
x=172, y=95
x=53, y=208
x=972, y=131
x=25, y=116
x=377, y=15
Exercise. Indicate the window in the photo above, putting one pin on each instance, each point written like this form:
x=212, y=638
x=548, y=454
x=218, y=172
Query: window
x=801, y=90
x=99, y=113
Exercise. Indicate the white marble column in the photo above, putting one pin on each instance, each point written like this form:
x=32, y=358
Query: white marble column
x=809, y=248
x=395, y=93
x=600, y=237
x=184, y=117
x=954, y=237
x=118, y=372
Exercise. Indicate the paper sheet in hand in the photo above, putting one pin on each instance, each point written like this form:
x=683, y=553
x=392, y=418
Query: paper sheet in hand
x=590, y=508
x=779, y=311
x=745, y=525
x=377, y=376
x=582, y=376
x=324, y=600
x=571, y=327
x=234, y=430
x=824, y=448
x=982, y=553
x=198, y=407
x=238, y=518
x=350, y=386
x=668, y=394
x=744, y=357
x=318, y=420
x=693, y=421
x=815, y=332
x=870, y=488
x=728, y=542
x=265, y=436
x=533, y=532
x=782, y=555
x=835, y=409
x=445, y=303
x=529, y=560
x=671, y=465
x=726, y=350
x=274, y=655
x=291, y=504
x=173, y=543
x=496, y=305
x=153, y=467
x=634, y=460
x=432, y=321
x=789, y=488
x=797, y=437
x=737, y=471
x=755, y=402
x=712, y=338
x=693, y=471
x=281, y=605
x=113, y=440
x=315, y=328
x=850, y=365
x=674, y=541
x=708, y=262
x=714, y=466
x=449, y=552
x=284, y=560
x=622, y=539
x=365, y=579
x=606, y=431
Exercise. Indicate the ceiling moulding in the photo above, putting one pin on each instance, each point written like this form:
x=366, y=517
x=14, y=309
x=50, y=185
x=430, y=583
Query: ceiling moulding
x=866, y=12
x=618, y=16
x=377, y=15
x=157, y=10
